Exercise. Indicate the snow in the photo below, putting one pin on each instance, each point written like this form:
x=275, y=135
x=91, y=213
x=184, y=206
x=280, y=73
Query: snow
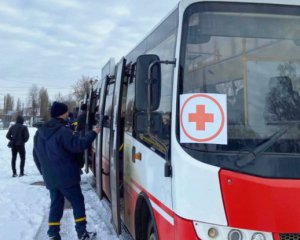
x=24, y=203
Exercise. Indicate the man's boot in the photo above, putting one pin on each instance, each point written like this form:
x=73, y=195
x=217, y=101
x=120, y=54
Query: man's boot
x=88, y=236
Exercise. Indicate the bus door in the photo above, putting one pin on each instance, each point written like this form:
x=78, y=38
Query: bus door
x=100, y=137
x=90, y=122
x=115, y=157
x=147, y=174
x=107, y=135
x=87, y=101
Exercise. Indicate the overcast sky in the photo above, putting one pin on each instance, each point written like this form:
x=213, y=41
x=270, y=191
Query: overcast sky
x=52, y=43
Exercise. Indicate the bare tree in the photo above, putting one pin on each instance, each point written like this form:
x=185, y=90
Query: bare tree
x=8, y=103
x=33, y=97
x=19, y=107
x=81, y=87
x=59, y=97
x=70, y=101
x=44, y=104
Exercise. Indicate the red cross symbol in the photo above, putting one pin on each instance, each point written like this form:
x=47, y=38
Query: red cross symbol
x=200, y=117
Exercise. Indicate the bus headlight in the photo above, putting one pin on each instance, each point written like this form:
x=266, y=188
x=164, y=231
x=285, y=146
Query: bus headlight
x=212, y=232
x=207, y=231
x=235, y=234
x=258, y=236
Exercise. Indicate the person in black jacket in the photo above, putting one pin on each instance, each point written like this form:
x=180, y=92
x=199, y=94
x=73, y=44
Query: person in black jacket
x=18, y=135
x=55, y=147
x=81, y=120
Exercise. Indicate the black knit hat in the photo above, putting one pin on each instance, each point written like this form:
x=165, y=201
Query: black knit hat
x=83, y=107
x=58, y=109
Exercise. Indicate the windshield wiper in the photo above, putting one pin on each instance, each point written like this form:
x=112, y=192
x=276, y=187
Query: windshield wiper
x=292, y=122
x=261, y=148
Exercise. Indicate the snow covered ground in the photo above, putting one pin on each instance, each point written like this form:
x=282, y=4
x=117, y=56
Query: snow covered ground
x=24, y=205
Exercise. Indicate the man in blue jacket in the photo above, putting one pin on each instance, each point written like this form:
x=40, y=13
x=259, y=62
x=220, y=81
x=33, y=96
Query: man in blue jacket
x=54, y=152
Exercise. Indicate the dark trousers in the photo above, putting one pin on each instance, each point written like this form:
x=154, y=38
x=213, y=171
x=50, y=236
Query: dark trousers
x=75, y=197
x=15, y=150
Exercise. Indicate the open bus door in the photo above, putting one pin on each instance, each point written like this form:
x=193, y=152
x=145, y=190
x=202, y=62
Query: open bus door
x=90, y=121
x=86, y=157
x=100, y=137
x=93, y=122
x=86, y=152
x=115, y=156
x=87, y=102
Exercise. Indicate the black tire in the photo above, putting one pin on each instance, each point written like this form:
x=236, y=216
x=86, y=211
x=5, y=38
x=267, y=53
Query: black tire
x=151, y=231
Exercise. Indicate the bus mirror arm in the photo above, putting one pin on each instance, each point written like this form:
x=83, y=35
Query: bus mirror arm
x=150, y=69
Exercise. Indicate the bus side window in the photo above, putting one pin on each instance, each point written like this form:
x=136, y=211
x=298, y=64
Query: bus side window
x=161, y=142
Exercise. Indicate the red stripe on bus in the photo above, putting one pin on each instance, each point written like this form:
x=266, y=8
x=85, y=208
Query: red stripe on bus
x=154, y=199
x=182, y=228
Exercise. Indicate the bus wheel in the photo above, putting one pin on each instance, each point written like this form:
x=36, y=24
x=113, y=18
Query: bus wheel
x=151, y=232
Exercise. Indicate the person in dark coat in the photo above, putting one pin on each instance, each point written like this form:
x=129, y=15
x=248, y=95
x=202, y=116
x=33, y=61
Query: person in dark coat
x=73, y=124
x=71, y=121
x=18, y=135
x=81, y=120
x=55, y=147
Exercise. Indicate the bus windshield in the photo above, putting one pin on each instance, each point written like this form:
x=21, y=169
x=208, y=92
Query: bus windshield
x=250, y=53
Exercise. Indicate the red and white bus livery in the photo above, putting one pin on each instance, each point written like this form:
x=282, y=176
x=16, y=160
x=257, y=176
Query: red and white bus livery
x=201, y=125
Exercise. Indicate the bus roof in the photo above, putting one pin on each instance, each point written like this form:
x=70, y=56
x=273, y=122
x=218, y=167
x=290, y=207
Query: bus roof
x=185, y=3
x=152, y=30
x=283, y=2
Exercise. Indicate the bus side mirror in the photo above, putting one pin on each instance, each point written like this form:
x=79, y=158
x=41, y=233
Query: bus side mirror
x=148, y=73
x=141, y=123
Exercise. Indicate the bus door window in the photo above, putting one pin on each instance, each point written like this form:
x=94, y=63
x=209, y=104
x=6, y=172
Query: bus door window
x=129, y=111
x=93, y=109
x=123, y=107
x=108, y=106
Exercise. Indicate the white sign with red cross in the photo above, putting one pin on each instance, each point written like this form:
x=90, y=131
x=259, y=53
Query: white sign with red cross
x=203, y=118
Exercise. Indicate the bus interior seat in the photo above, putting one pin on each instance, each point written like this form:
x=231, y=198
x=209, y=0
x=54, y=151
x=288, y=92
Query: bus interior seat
x=282, y=102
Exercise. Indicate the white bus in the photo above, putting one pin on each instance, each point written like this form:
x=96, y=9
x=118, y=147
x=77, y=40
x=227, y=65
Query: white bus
x=201, y=125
